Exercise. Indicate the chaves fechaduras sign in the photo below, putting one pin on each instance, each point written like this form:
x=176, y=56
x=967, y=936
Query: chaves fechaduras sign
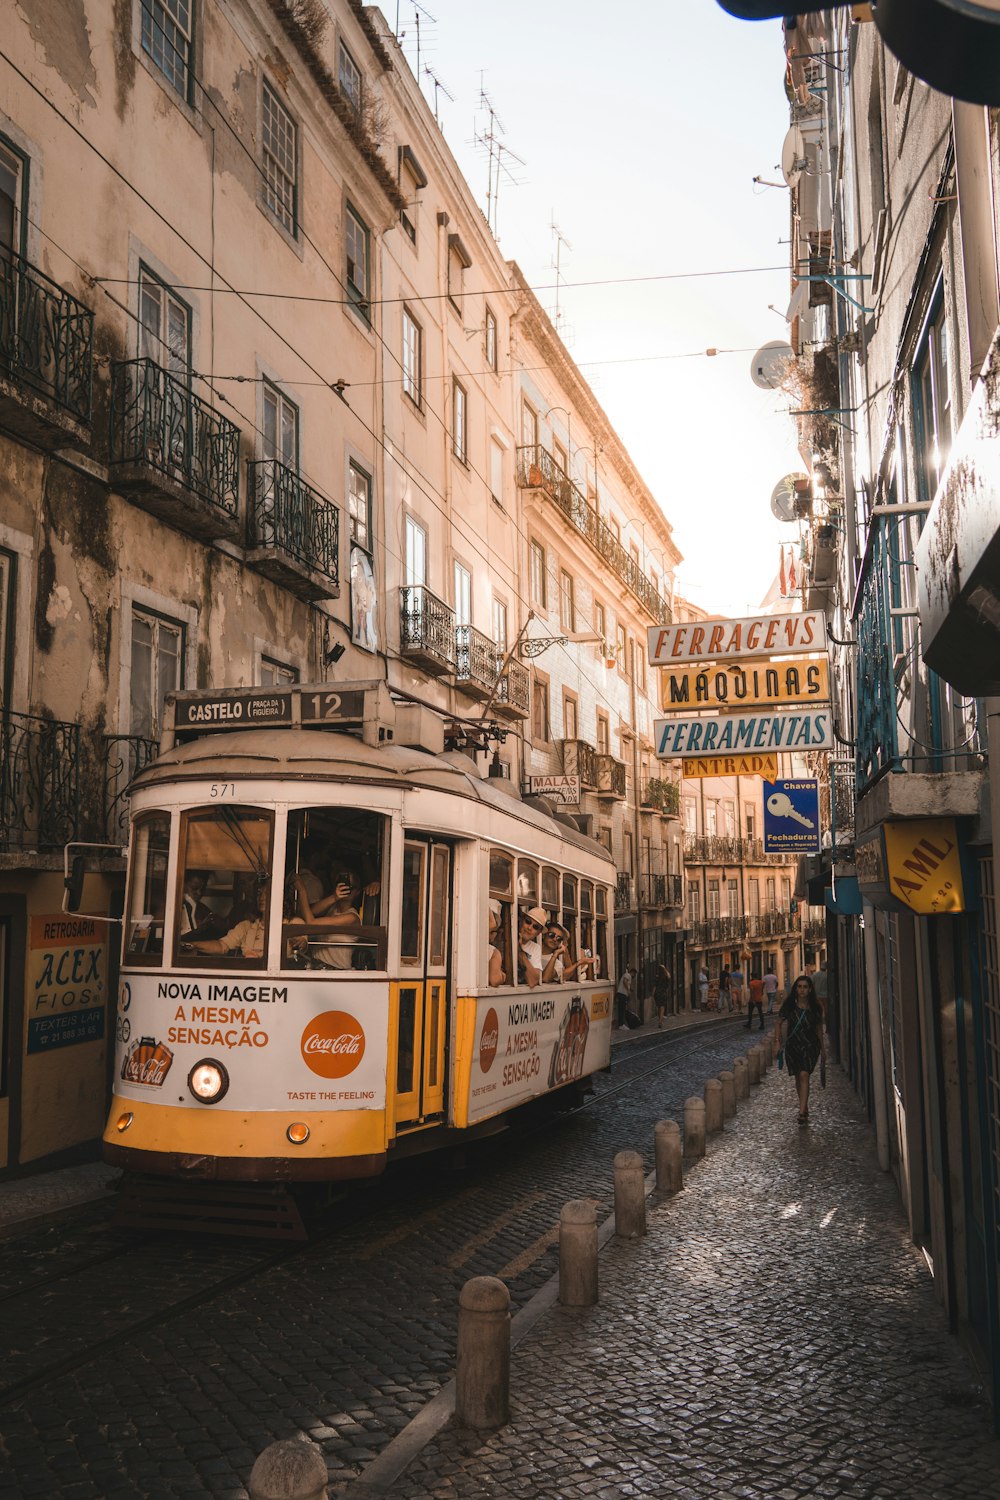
x=734, y=734
x=755, y=685
x=726, y=640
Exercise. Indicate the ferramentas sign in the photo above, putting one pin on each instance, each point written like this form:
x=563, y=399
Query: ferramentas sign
x=705, y=641
x=754, y=685
x=727, y=734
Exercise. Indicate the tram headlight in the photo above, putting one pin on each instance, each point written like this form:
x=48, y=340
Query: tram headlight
x=208, y=1081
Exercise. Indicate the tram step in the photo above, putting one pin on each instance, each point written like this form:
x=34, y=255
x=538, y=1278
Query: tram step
x=250, y=1209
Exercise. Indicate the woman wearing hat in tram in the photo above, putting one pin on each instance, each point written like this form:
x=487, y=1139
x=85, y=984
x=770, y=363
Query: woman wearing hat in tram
x=529, y=945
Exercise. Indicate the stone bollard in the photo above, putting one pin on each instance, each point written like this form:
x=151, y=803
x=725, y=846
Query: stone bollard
x=713, y=1106
x=694, y=1127
x=578, y=1254
x=741, y=1073
x=753, y=1062
x=290, y=1470
x=630, y=1195
x=762, y=1049
x=482, y=1372
x=728, y=1082
x=669, y=1167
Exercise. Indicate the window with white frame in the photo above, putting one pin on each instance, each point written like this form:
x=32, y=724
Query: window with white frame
x=621, y=649
x=280, y=427
x=714, y=900
x=600, y=626
x=167, y=33
x=536, y=572
x=694, y=904
x=349, y=79
x=690, y=810
x=770, y=893
x=540, y=731
x=13, y=177
x=164, y=325
x=459, y=421
x=356, y=254
x=416, y=553
x=932, y=397
x=571, y=717
x=529, y=425
x=567, y=600
x=273, y=673
x=463, y=595
x=156, y=669
x=496, y=470
x=359, y=505
x=753, y=896
x=500, y=625
x=279, y=160
x=786, y=894
x=711, y=819
x=732, y=898
x=603, y=733
x=490, y=339
x=412, y=178
x=413, y=357
x=459, y=260
x=560, y=457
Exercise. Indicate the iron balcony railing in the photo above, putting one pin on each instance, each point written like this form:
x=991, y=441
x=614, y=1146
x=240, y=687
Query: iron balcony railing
x=514, y=690
x=286, y=515
x=814, y=929
x=125, y=755
x=843, y=799
x=652, y=890
x=537, y=469
x=713, y=849
x=46, y=337
x=772, y=924
x=39, y=782
x=610, y=777
x=580, y=759
x=477, y=660
x=880, y=637
x=713, y=930
x=675, y=890
x=157, y=420
x=426, y=626
x=624, y=893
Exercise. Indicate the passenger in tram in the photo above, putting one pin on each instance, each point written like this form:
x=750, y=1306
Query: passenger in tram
x=557, y=964
x=195, y=912
x=336, y=913
x=247, y=937
x=496, y=973
x=529, y=946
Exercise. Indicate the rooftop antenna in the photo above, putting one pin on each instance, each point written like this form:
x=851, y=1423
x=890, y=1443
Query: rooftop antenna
x=498, y=155
x=560, y=240
x=418, y=11
x=438, y=88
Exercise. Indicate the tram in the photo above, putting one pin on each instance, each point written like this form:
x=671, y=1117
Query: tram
x=268, y=1032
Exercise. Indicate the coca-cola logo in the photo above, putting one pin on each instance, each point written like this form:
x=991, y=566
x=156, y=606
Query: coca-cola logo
x=148, y=1062
x=488, y=1039
x=333, y=1044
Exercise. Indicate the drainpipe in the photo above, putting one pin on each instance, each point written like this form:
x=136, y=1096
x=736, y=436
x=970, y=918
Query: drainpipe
x=875, y=1033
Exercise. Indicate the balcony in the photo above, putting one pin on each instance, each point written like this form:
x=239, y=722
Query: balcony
x=171, y=453
x=513, y=698
x=610, y=778
x=624, y=893
x=46, y=358
x=293, y=533
x=427, y=630
x=580, y=759
x=538, y=470
x=814, y=930
x=660, y=796
x=125, y=755
x=39, y=782
x=766, y=924
x=716, y=931
x=653, y=890
x=476, y=662
x=674, y=894
x=711, y=849
x=842, y=803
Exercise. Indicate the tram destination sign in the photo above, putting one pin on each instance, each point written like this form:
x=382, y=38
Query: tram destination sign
x=749, y=685
x=701, y=641
x=735, y=734
x=262, y=708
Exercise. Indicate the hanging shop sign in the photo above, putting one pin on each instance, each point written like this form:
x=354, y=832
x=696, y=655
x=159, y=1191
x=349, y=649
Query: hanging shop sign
x=66, y=981
x=791, y=816
x=562, y=789
x=731, y=765
x=756, y=685
x=912, y=865
x=726, y=640
x=728, y=734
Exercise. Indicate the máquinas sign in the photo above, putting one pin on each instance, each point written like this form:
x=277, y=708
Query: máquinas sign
x=722, y=640
x=755, y=685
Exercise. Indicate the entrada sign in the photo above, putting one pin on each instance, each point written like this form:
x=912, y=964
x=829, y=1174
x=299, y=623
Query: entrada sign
x=726, y=734
x=731, y=765
x=724, y=640
x=759, y=685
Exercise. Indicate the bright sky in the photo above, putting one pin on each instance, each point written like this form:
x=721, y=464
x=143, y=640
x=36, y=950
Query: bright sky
x=641, y=131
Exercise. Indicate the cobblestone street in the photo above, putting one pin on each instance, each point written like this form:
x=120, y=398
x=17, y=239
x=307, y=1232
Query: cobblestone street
x=774, y=1335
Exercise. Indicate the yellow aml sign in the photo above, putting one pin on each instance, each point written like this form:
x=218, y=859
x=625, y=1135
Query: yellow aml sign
x=732, y=765
x=757, y=684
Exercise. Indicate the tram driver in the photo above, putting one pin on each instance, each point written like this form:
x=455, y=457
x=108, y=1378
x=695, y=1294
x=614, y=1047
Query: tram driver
x=247, y=937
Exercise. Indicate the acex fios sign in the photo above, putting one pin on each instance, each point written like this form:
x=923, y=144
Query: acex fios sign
x=724, y=640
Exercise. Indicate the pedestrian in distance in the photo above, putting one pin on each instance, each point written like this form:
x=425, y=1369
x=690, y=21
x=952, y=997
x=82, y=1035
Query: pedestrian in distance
x=801, y=1038
x=725, y=995
x=703, y=982
x=770, y=989
x=623, y=997
x=755, y=1001
x=736, y=987
x=663, y=990
x=821, y=984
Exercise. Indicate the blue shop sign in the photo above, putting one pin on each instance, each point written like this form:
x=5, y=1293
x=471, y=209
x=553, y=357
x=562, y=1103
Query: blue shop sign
x=791, y=816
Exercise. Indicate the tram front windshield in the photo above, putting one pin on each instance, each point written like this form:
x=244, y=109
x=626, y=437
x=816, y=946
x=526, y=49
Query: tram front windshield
x=330, y=891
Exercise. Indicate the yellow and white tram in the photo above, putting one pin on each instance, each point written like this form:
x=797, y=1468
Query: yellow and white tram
x=255, y=1045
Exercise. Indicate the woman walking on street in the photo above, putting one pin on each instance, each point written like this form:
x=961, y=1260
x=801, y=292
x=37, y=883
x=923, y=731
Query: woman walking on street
x=801, y=1035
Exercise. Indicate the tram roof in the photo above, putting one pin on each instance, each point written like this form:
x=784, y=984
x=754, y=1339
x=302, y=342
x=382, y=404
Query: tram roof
x=316, y=754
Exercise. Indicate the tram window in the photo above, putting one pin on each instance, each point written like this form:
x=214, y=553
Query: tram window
x=438, y=934
x=410, y=945
x=501, y=875
x=550, y=888
x=587, y=921
x=569, y=913
x=223, y=893
x=527, y=883
x=601, y=932
x=335, y=866
x=148, y=895
x=500, y=896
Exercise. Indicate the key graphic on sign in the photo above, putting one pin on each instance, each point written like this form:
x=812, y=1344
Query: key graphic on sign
x=779, y=804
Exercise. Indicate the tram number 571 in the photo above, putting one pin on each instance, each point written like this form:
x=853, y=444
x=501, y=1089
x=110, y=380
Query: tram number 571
x=221, y=789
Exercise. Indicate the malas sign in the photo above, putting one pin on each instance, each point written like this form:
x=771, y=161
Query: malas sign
x=954, y=45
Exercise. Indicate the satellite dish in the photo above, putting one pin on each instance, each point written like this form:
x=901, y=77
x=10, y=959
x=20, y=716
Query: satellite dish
x=768, y=366
x=794, y=159
x=783, y=497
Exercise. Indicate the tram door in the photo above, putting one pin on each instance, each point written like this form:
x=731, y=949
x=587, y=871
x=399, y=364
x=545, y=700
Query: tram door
x=422, y=1004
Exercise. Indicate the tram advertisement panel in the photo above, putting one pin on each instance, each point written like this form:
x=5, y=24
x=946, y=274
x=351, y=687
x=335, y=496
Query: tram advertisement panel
x=289, y=1043
x=530, y=1043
